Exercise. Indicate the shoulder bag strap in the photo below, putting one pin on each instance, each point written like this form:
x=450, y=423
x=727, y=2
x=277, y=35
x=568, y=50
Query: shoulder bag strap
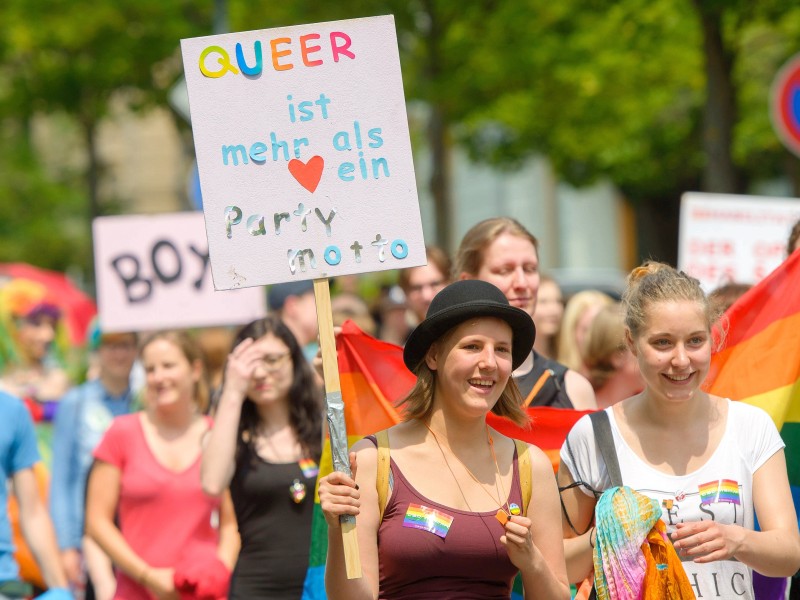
x=382, y=478
x=605, y=441
x=524, y=468
x=538, y=386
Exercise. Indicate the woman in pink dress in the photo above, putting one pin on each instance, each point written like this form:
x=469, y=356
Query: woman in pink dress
x=145, y=506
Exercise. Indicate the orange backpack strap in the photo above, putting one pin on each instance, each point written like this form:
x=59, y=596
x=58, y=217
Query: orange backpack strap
x=537, y=386
x=524, y=467
x=382, y=477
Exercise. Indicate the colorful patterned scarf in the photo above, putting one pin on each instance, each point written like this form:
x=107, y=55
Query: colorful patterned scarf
x=633, y=558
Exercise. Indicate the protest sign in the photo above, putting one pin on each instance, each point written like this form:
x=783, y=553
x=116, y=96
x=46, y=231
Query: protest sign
x=306, y=171
x=152, y=273
x=728, y=238
x=303, y=149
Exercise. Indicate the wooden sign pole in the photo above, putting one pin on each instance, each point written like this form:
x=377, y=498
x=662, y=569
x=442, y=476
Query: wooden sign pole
x=335, y=413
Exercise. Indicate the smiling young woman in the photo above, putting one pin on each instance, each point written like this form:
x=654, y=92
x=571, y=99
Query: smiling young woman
x=710, y=464
x=454, y=524
x=144, y=505
x=501, y=251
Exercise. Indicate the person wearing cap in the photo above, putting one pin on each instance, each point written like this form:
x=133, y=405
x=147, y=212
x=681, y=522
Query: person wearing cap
x=294, y=303
x=454, y=524
x=82, y=418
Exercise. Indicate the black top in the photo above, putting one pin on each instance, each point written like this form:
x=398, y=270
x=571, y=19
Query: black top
x=553, y=392
x=275, y=530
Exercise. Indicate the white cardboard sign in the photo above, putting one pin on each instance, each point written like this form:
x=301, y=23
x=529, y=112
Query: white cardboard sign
x=152, y=273
x=728, y=238
x=303, y=149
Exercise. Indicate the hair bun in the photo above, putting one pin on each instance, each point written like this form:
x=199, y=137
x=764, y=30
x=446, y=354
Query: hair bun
x=648, y=268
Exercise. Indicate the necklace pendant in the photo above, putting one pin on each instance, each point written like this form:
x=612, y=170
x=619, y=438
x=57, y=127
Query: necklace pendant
x=501, y=516
x=298, y=491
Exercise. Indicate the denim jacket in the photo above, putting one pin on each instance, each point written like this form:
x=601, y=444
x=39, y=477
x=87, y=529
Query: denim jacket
x=82, y=418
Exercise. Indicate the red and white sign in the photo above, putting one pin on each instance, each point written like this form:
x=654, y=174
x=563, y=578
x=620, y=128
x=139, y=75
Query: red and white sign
x=728, y=238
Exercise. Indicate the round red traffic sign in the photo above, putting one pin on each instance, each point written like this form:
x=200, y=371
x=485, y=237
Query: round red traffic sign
x=785, y=104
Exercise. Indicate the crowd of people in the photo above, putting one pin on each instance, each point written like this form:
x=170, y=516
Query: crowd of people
x=186, y=465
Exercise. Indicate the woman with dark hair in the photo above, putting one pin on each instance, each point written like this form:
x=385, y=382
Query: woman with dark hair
x=265, y=445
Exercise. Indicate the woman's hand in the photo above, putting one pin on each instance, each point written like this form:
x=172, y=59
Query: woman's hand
x=241, y=364
x=518, y=542
x=707, y=541
x=162, y=583
x=339, y=495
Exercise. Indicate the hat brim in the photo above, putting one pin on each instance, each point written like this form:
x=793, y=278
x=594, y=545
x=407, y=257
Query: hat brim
x=432, y=328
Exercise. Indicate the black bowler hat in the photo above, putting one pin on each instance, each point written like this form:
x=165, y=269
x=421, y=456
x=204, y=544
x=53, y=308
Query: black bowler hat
x=463, y=300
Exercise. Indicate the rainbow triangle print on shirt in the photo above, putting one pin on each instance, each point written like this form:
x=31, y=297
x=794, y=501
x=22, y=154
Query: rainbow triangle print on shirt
x=723, y=490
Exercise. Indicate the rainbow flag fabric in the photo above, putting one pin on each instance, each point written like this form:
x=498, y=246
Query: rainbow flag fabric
x=371, y=381
x=373, y=378
x=760, y=359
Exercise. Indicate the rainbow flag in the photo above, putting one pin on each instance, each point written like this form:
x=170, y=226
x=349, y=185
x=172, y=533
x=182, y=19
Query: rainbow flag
x=760, y=360
x=373, y=378
x=725, y=490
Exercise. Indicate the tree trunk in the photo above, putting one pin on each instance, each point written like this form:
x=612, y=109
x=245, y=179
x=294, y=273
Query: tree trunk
x=438, y=128
x=720, y=111
x=439, y=183
x=793, y=173
x=657, y=222
x=93, y=184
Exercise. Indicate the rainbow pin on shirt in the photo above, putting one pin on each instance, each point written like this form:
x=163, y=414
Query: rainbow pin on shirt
x=309, y=468
x=428, y=519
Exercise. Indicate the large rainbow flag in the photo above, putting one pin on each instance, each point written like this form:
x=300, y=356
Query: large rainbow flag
x=760, y=360
x=373, y=377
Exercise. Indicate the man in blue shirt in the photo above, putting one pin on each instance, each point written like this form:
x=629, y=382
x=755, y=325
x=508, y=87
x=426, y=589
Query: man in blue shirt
x=82, y=418
x=18, y=454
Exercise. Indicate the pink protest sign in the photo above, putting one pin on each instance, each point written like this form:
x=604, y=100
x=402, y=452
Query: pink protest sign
x=152, y=273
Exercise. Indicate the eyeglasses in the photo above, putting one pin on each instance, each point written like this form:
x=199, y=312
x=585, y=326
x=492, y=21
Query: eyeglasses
x=274, y=362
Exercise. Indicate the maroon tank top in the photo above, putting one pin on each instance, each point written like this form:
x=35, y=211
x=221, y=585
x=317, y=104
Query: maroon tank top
x=469, y=562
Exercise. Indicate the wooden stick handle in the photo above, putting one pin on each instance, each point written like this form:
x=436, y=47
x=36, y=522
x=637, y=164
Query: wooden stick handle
x=335, y=412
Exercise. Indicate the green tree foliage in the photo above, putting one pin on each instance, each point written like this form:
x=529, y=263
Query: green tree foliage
x=634, y=91
x=618, y=90
x=41, y=221
x=79, y=57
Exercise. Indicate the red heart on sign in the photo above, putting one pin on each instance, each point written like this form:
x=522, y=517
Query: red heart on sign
x=307, y=174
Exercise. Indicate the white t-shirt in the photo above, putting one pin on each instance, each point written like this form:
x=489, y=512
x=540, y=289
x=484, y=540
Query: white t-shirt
x=720, y=490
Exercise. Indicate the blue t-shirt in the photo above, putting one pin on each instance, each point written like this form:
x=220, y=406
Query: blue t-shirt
x=17, y=451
